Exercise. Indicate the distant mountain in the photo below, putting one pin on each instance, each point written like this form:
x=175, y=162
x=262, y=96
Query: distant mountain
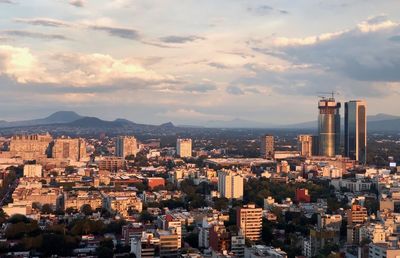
x=384, y=125
x=236, y=123
x=379, y=122
x=382, y=117
x=60, y=117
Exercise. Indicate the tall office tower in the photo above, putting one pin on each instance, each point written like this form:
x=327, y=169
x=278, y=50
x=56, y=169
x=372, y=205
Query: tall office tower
x=125, y=146
x=267, y=146
x=355, y=130
x=31, y=146
x=249, y=221
x=184, y=147
x=67, y=148
x=329, y=127
x=230, y=184
x=305, y=142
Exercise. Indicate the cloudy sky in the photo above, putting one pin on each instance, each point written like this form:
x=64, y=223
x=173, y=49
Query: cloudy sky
x=190, y=61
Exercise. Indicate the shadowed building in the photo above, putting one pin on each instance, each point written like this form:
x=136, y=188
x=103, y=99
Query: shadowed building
x=355, y=130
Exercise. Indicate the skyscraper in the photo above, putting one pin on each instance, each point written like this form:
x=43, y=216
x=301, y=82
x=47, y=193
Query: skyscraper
x=184, y=147
x=355, y=130
x=125, y=146
x=267, y=146
x=329, y=127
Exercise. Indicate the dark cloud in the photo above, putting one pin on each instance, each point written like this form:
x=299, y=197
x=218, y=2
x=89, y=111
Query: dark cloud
x=119, y=32
x=44, y=22
x=77, y=3
x=362, y=54
x=395, y=38
x=234, y=90
x=180, y=39
x=34, y=35
x=218, y=65
x=200, y=88
x=265, y=10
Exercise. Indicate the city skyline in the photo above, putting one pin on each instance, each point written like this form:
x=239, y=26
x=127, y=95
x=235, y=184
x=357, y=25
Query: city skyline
x=156, y=61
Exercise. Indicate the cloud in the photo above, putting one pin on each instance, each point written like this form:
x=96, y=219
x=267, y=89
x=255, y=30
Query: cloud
x=218, y=65
x=77, y=3
x=77, y=70
x=265, y=10
x=44, y=22
x=7, y=2
x=118, y=32
x=234, y=90
x=180, y=39
x=199, y=88
x=365, y=53
x=34, y=35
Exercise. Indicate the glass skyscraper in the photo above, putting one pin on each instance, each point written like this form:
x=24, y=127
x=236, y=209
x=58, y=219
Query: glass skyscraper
x=355, y=130
x=329, y=127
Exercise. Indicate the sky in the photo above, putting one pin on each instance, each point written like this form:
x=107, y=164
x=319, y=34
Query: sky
x=191, y=61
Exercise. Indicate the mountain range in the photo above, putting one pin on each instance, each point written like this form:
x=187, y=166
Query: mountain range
x=70, y=119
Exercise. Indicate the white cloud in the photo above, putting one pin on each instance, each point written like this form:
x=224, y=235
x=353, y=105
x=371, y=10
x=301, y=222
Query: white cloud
x=77, y=70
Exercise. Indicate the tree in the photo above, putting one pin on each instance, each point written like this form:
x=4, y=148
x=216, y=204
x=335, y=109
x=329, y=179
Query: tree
x=193, y=240
x=220, y=203
x=86, y=209
x=104, y=252
x=146, y=217
x=47, y=208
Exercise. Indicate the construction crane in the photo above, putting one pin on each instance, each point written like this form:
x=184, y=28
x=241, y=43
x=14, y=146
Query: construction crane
x=324, y=94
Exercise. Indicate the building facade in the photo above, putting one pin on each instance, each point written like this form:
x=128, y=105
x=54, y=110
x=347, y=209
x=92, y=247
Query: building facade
x=267, y=147
x=230, y=184
x=126, y=146
x=184, y=148
x=329, y=127
x=305, y=142
x=355, y=130
x=249, y=221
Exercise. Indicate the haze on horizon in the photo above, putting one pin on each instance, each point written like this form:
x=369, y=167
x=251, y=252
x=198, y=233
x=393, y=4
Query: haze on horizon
x=153, y=61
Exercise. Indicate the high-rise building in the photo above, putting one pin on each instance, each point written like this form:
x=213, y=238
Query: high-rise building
x=126, y=146
x=355, y=130
x=67, y=148
x=267, y=148
x=31, y=146
x=184, y=148
x=220, y=238
x=249, y=221
x=230, y=184
x=305, y=142
x=329, y=127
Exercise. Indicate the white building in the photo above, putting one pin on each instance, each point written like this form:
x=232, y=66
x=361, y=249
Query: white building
x=126, y=146
x=230, y=184
x=184, y=148
x=33, y=170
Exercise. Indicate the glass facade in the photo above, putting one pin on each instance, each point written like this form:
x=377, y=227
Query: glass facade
x=329, y=127
x=355, y=140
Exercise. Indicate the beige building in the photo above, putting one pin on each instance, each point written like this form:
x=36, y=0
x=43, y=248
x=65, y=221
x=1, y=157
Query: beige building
x=169, y=243
x=249, y=221
x=305, y=142
x=230, y=184
x=30, y=146
x=267, y=147
x=126, y=146
x=71, y=149
x=184, y=148
x=33, y=170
